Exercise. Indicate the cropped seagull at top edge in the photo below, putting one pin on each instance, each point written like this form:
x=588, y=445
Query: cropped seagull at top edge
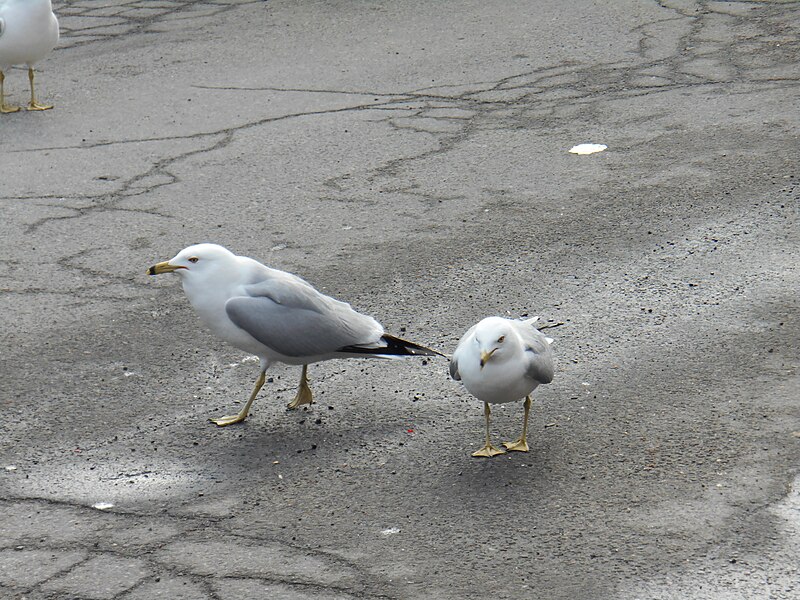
x=28, y=33
x=277, y=316
x=502, y=360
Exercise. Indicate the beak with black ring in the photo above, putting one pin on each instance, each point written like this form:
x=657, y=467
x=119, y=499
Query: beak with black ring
x=485, y=356
x=163, y=267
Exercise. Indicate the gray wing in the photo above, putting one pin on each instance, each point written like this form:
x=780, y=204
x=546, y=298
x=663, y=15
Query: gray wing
x=2, y=23
x=454, y=359
x=537, y=350
x=289, y=316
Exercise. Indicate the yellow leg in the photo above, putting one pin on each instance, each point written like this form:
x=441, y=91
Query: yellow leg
x=303, y=391
x=488, y=450
x=5, y=108
x=242, y=415
x=33, y=104
x=521, y=443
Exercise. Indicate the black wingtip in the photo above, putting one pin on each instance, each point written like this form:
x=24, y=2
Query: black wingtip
x=395, y=346
x=409, y=348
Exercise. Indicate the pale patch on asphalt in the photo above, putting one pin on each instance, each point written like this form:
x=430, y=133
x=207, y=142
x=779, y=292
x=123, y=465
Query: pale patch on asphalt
x=733, y=572
x=116, y=484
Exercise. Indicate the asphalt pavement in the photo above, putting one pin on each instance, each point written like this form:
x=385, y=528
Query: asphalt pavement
x=411, y=158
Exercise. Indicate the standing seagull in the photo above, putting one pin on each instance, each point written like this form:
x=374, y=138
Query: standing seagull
x=28, y=33
x=277, y=316
x=501, y=360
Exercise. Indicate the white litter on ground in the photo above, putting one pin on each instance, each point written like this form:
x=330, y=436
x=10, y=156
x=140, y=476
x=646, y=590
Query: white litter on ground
x=587, y=148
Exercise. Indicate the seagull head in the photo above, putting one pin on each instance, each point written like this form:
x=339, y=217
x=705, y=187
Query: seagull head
x=197, y=262
x=491, y=338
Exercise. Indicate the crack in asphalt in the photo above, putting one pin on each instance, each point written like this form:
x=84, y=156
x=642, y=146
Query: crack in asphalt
x=134, y=186
x=84, y=22
x=189, y=528
x=587, y=84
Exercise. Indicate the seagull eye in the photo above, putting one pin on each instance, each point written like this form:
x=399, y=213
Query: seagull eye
x=194, y=259
x=501, y=339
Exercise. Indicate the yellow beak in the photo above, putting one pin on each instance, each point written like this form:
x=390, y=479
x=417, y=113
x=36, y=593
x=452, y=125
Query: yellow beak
x=485, y=356
x=163, y=267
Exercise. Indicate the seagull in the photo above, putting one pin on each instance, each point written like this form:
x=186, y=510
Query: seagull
x=28, y=33
x=276, y=316
x=502, y=360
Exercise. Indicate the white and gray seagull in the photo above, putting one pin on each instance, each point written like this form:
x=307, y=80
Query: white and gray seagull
x=503, y=360
x=277, y=316
x=28, y=33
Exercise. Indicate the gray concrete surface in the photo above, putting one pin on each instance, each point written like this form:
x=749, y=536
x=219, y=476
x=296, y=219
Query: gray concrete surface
x=411, y=158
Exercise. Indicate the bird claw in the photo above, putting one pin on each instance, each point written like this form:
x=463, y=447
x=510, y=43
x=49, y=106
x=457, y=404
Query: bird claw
x=228, y=420
x=303, y=395
x=299, y=400
x=37, y=106
x=488, y=451
x=516, y=446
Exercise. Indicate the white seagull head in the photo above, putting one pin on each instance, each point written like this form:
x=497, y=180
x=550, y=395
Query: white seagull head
x=199, y=262
x=492, y=337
